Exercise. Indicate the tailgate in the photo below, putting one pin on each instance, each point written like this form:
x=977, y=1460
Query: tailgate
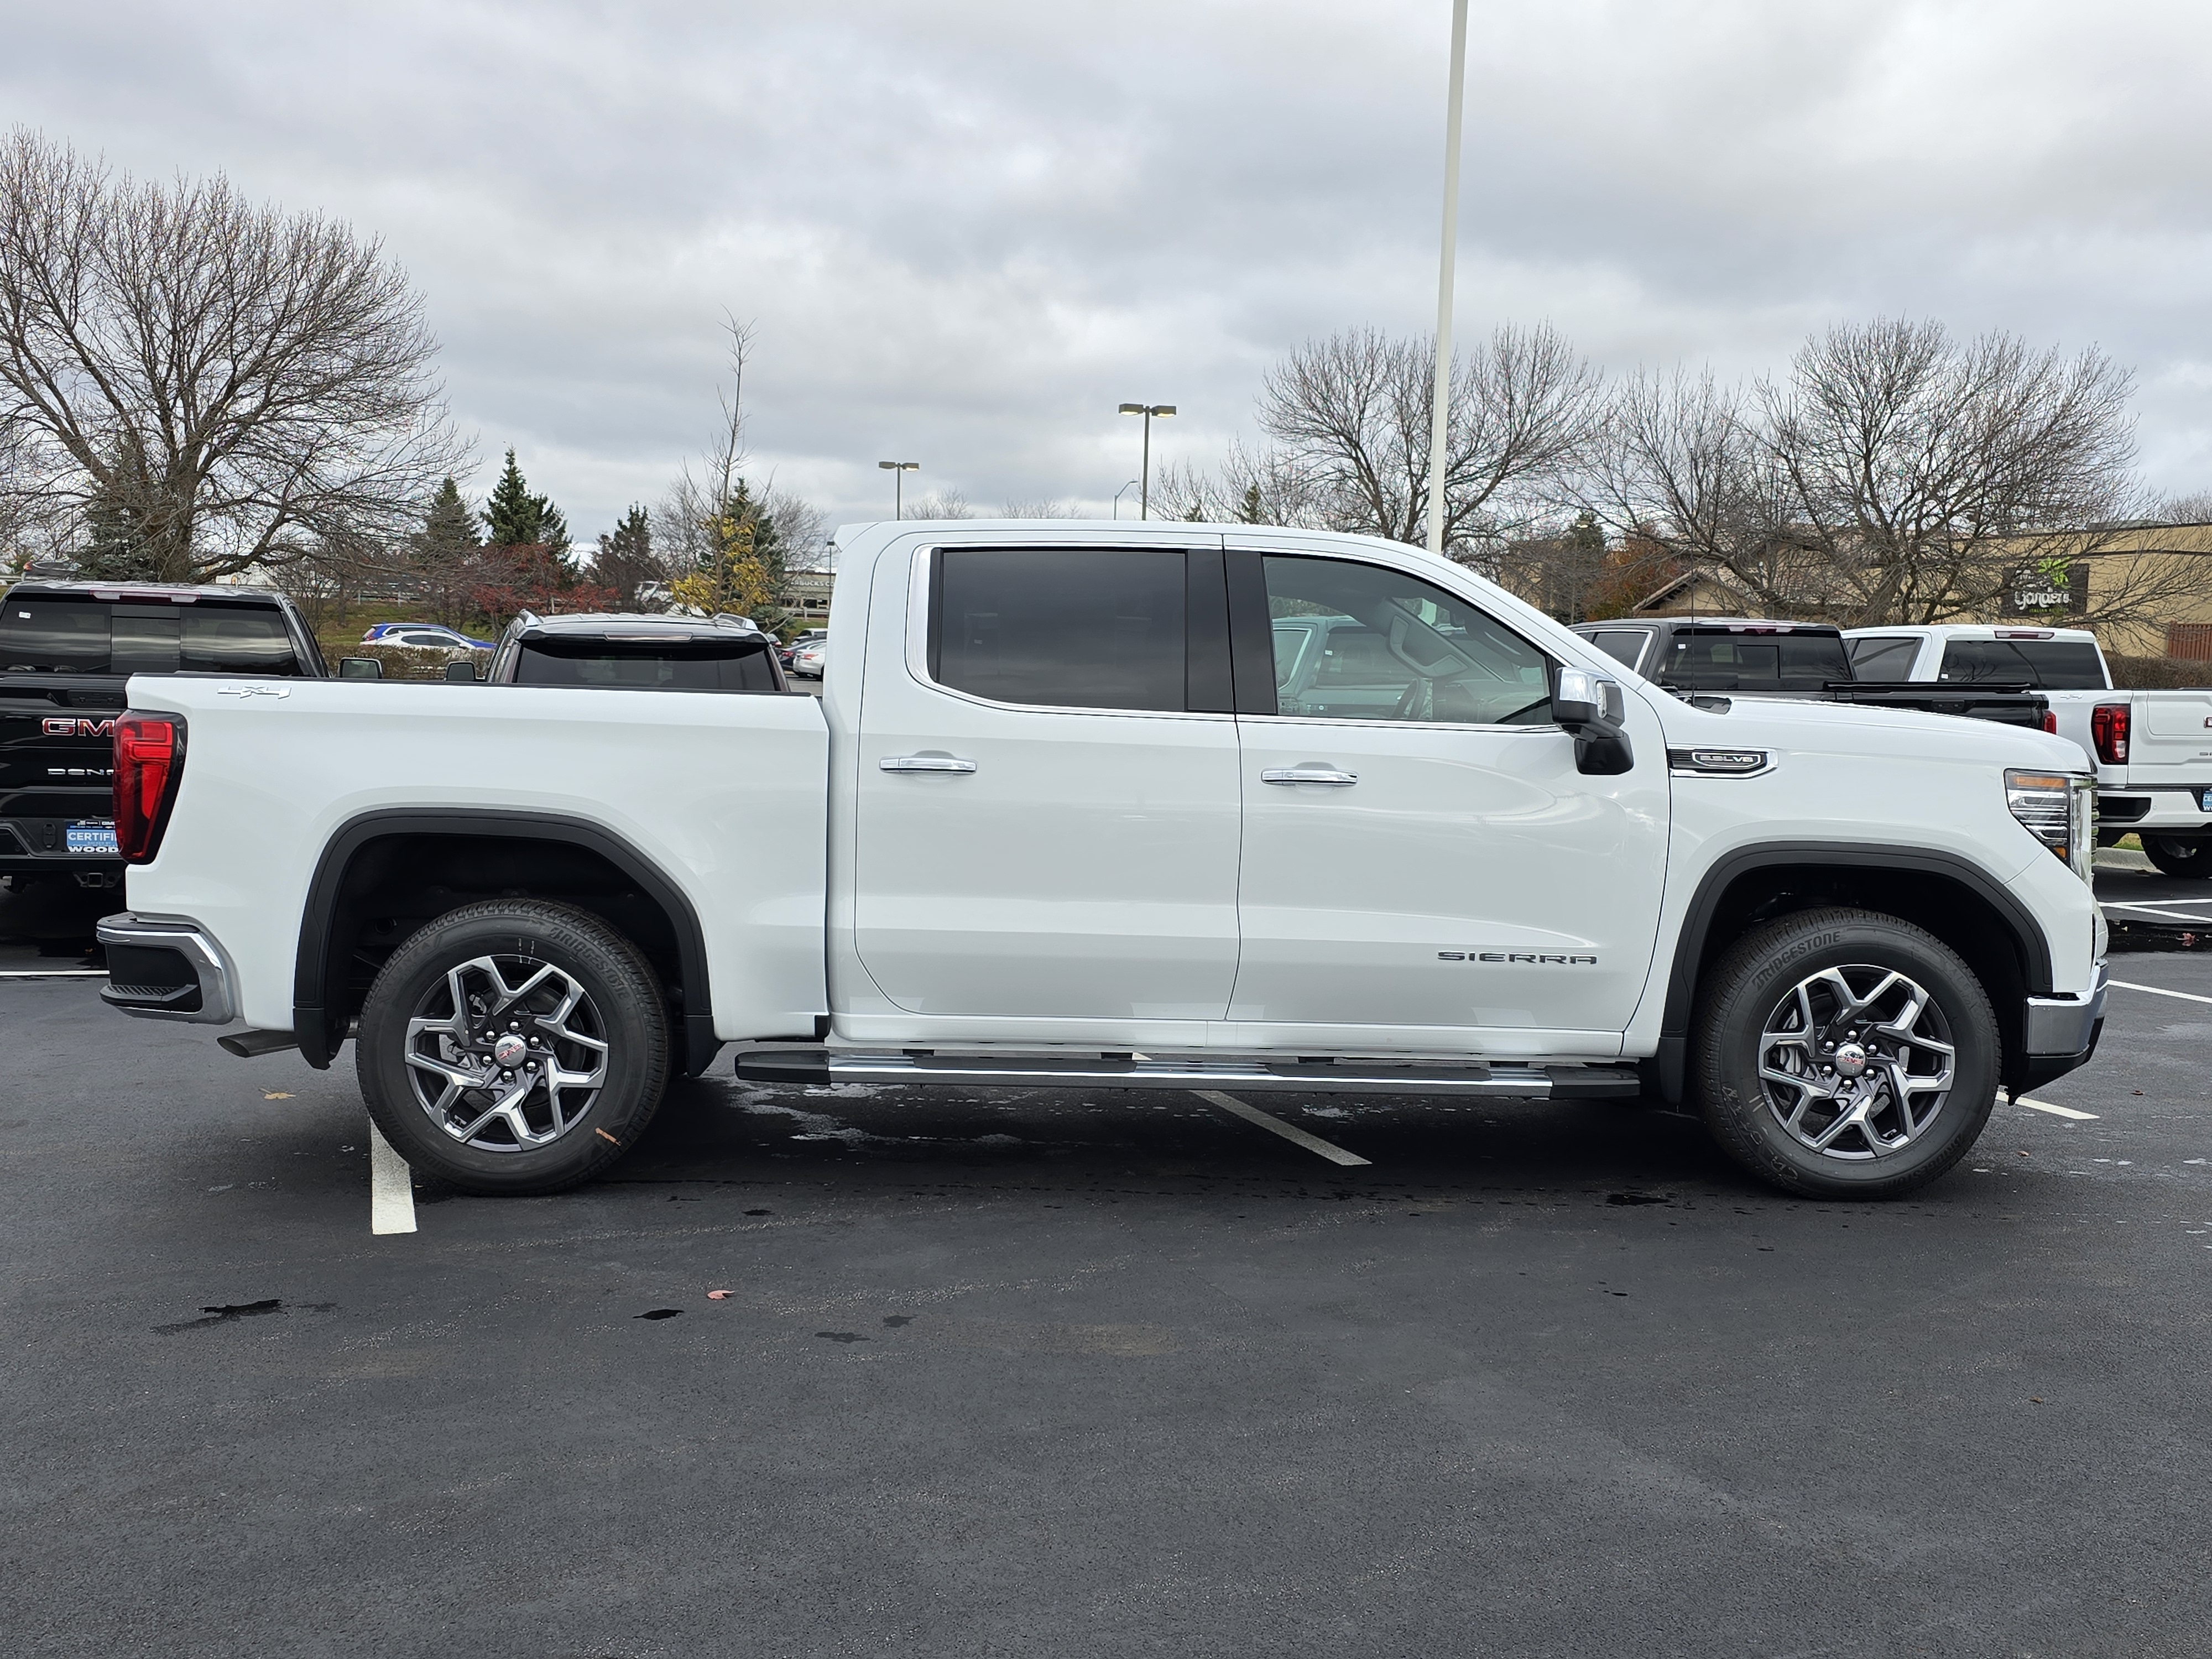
x=2171, y=741
x=57, y=761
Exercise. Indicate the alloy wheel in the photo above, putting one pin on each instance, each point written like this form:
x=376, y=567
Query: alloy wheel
x=1856, y=1062
x=506, y=1053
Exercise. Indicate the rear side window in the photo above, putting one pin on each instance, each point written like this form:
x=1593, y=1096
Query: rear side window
x=1093, y=628
x=73, y=637
x=1622, y=645
x=2043, y=664
x=706, y=665
x=1729, y=661
x=1883, y=658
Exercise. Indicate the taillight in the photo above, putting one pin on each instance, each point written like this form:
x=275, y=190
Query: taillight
x=2108, y=730
x=2050, y=721
x=149, y=759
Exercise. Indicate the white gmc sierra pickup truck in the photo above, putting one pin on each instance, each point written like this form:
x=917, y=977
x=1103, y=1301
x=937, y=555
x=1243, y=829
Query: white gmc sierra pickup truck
x=1152, y=806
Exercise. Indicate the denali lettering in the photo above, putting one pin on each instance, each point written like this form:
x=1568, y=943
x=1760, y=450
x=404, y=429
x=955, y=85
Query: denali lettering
x=1565, y=959
x=61, y=726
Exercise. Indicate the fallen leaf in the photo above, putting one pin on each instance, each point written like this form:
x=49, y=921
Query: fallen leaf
x=718, y=1295
x=278, y=1095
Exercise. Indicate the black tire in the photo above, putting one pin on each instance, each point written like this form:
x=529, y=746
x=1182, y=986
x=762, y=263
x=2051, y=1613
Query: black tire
x=585, y=1128
x=1753, y=992
x=2180, y=855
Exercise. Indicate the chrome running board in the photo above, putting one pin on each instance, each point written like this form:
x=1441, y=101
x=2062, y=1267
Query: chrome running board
x=1249, y=1073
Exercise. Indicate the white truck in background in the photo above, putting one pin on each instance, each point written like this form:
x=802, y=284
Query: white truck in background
x=2152, y=749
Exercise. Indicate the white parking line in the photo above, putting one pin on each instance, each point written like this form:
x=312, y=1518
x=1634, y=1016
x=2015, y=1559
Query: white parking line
x=2058, y=1111
x=53, y=973
x=1289, y=1132
x=390, y=1187
x=2160, y=991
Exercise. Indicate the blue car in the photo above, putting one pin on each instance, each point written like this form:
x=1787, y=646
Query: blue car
x=435, y=635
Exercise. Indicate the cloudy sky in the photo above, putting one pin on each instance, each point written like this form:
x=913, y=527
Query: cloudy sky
x=966, y=231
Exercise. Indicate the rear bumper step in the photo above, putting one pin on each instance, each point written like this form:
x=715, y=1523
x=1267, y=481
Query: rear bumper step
x=1251, y=1075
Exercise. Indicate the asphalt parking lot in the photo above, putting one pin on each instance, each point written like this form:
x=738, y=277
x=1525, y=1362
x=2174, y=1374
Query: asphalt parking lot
x=1029, y=1372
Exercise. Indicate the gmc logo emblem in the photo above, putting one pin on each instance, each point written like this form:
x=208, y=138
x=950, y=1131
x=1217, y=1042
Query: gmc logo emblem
x=59, y=725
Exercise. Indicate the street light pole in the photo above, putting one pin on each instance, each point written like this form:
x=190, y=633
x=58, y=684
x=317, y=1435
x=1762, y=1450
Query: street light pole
x=898, y=470
x=1133, y=484
x=1440, y=410
x=1144, y=478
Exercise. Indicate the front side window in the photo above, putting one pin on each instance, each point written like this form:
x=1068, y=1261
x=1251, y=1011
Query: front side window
x=1357, y=641
x=1072, y=628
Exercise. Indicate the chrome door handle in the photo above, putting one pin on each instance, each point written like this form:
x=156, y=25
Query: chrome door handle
x=924, y=763
x=1328, y=774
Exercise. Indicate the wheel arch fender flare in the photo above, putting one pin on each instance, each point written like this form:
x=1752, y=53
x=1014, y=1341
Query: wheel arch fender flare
x=1705, y=908
x=319, y=1018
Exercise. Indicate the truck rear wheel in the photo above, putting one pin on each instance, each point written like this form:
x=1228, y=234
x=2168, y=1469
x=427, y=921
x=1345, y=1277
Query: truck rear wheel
x=2180, y=855
x=515, y=1047
x=1843, y=1054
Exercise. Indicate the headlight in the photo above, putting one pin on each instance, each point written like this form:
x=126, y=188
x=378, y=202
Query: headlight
x=2059, y=810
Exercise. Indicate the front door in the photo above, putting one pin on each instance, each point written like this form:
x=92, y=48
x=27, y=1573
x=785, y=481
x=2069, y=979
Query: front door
x=1423, y=865
x=1046, y=806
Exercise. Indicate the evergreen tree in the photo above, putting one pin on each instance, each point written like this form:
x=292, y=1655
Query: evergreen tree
x=515, y=518
x=626, y=556
x=449, y=528
x=114, y=549
x=1249, y=510
x=441, y=554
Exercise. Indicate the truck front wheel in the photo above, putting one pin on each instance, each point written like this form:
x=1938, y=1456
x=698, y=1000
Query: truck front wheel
x=1843, y=1054
x=515, y=1047
x=2180, y=855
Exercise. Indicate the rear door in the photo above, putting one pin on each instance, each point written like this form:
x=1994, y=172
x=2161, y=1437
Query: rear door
x=1046, y=811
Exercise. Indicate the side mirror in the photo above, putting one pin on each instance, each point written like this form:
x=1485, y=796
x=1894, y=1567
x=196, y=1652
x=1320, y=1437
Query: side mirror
x=463, y=670
x=1594, y=711
x=360, y=668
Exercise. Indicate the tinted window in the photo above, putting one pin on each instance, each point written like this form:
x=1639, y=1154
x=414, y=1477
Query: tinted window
x=2046, y=665
x=67, y=636
x=50, y=636
x=1882, y=658
x=1622, y=645
x=1724, y=661
x=707, y=665
x=1356, y=641
x=222, y=639
x=1074, y=628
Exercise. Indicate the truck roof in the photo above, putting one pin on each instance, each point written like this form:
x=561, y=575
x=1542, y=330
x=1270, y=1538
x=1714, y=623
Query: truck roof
x=1977, y=631
x=175, y=593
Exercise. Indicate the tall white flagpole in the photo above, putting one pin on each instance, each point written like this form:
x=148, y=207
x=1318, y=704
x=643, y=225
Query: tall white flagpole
x=1440, y=413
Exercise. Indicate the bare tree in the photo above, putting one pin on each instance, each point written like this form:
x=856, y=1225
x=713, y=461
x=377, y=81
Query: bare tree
x=230, y=386
x=1895, y=475
x=1349, y=420
x=1038, y=509
x=941, y=504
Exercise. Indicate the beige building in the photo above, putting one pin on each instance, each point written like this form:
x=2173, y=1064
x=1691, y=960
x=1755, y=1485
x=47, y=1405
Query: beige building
x=2145, y=592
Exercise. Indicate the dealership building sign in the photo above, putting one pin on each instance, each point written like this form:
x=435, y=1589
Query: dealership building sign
x=2038, y=590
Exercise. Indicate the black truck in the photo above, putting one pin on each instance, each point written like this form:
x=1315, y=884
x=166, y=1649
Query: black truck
x=1750, y=656
x=66, y=649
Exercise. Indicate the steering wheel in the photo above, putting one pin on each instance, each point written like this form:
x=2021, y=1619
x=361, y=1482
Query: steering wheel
x=1418, y=702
